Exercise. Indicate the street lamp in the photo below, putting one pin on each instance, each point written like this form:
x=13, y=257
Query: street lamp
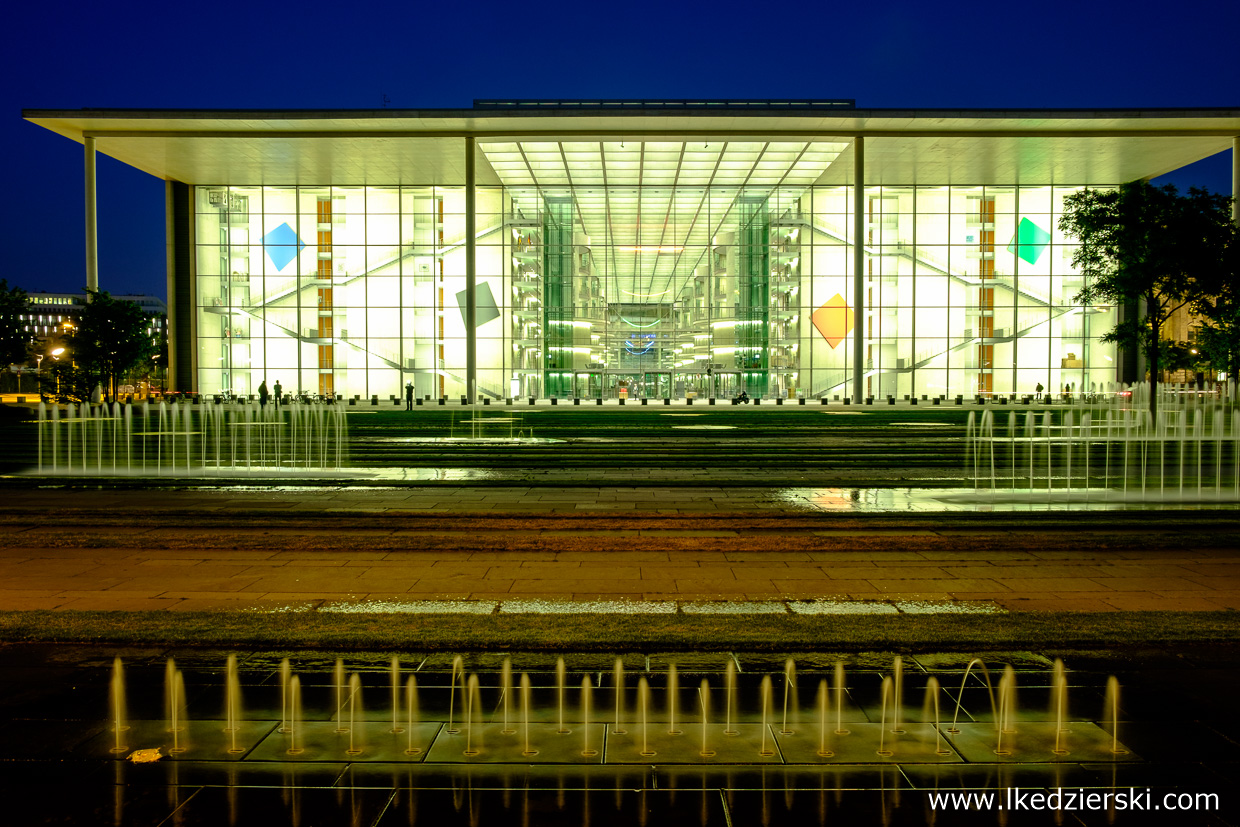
x=56, y=354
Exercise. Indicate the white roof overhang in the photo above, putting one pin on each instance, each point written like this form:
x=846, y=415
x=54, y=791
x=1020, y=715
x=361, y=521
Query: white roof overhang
x=927, y=147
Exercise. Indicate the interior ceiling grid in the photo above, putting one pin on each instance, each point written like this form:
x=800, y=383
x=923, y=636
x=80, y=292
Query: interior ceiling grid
x=658, y=194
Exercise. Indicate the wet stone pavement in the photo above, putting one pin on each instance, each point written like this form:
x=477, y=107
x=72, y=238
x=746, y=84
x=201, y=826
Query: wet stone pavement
x=342, y=744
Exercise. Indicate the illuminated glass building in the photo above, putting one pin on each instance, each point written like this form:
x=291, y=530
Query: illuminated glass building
x=626, y=249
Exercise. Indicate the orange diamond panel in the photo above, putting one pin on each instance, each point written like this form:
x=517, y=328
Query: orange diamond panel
x=833, y=320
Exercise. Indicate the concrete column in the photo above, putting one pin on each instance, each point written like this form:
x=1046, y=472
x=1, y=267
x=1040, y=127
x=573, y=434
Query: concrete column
x=858, y=301
x=1235, y=181
x=471, y=277
x=170, y=258
x=92, y=235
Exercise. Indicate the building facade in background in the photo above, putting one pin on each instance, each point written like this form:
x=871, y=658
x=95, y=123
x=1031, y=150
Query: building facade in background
x=643, y=249
x=57, y=313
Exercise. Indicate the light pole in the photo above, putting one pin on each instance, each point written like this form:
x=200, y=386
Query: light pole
x=38, y=370
x=55, y=354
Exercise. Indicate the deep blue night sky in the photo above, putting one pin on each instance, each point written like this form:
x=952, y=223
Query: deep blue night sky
x=1054, y=54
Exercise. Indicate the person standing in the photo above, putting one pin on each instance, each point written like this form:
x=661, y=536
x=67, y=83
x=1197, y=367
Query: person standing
x=1039, y=390
x=263, y=394
x=279, y=393
x=409, y=396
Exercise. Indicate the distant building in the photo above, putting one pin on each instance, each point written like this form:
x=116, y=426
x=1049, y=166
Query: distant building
x=49, y=312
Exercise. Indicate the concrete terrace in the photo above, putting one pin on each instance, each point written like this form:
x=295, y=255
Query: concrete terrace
x=497, y=548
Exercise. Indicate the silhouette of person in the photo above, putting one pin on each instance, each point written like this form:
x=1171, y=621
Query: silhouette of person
x=409, y=396
x=279, y=392
x=263, y=394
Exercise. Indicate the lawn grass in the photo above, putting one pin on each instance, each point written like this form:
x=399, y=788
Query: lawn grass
x=618, y=632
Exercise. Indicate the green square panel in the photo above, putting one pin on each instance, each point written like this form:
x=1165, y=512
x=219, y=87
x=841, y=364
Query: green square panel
x=1029, y=242
x=485, y=308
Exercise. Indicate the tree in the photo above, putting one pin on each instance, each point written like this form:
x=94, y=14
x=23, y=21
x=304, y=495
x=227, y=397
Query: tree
x=1149, y=244
x=110, y=338
x=1177, y=356
x=14, y=336
x=1218, y=335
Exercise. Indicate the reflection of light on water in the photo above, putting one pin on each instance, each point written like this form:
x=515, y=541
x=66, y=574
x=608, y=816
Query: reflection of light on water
x=705, y=427
x=871, y=500
x=79, y=420
x=259, y=472
x=482, y=440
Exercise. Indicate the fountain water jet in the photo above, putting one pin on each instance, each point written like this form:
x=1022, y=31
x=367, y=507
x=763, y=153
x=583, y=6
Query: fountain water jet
x=954, y=728
x=355, y=714
x=232, y=704
x=619, y=690
x=765, y=692
x=643, y=705
x=473, y=698
x=286, y=671
x=824, y=703
x=560, y=679
x=1005, y=721
x=729, y=697
x=790, y=684
x=458, y=667
x=294, y=714
x=395, y=673
x=930, y=712
x=586, y=690
x=885, y=695
x=505, y=690
x=411, y=706
x=839, y=699
x=897, y=691
x=673, y=693
x=1059, y=704
x=704, y=700
x=175, y=712
x=526, y=692
x=1111, y=713
x=340, y=696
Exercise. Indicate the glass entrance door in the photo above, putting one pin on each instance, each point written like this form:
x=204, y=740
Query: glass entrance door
x=727, y=385
x=696, y=385
x=657, y=385
x=588, y=385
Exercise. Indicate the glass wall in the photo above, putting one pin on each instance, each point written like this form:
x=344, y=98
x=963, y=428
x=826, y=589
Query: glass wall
x=647, y=290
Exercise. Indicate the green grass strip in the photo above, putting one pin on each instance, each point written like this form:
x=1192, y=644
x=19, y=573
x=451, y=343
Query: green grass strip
x=617, y=632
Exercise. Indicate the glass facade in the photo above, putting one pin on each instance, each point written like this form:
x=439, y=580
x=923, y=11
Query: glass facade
x=634, y=269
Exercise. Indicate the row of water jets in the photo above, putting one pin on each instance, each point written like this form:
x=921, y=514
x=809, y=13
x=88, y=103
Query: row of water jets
x=515, y=710
x=1191, y=452
x=179, y=438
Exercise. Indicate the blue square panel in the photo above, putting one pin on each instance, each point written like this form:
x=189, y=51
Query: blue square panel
x=1029, y=242
x=282, y=245
x=485, y=309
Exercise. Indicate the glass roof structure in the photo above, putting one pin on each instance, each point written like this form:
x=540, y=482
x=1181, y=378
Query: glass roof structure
x=656, y=207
